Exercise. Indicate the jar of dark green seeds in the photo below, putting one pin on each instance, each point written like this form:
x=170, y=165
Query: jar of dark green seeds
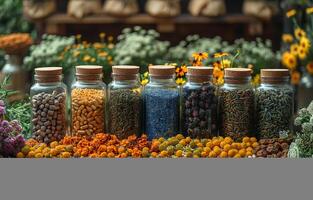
x=274, y=103
x=237, y=104
x=124, y=102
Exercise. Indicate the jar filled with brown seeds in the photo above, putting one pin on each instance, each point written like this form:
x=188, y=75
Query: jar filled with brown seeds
x=48, y=99
x=237, y=104
x=274, y=103
x=88, y=101
x=125, y=102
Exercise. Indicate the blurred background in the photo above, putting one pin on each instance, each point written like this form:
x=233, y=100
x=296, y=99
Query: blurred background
x=67, y=33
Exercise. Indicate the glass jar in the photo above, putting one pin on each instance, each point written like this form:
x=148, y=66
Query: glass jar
x=237, y=104
x=199, y=103
x=124, y=102
x=274, y=103
x=88, y=101
x=161, y=102
x=48, y=100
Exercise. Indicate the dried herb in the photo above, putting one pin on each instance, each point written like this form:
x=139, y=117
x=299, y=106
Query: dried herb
x=125, y=112
x=237, y=112
x=200, y=111
x=274, y=110
x=161, y=112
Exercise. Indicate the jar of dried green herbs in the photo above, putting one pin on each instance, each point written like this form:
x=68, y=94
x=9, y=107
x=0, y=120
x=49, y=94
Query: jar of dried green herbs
x=124, y=102
x=199, y=103
x=274, y=103
x=161, y=102
x=237, y=104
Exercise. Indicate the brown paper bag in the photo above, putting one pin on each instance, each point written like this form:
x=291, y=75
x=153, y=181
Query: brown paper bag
x=82, y=8
x=208, y=8
x=258, y=8
x=163, y=8
x=121, y=8
x=38, y=9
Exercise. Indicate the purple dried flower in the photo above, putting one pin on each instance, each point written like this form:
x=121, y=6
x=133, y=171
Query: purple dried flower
x=2, y=104
x=2, y=110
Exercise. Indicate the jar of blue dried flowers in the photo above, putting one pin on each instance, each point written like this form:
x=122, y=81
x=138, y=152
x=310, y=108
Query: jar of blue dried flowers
x=274, y=103
x=237, y=104
x=161, y=102
x=199, y=103
x=124, y=102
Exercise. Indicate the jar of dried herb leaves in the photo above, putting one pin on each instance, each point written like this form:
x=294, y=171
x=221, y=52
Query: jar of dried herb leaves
x=237, y=104
x=124, y=102
x=199, y=103
x=88, y=101
x=274, y=103
x=48, y=100
x=161, y=102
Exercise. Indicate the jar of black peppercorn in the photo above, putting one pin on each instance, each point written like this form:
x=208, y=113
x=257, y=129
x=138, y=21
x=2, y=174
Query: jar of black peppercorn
x=274, y=103
x=124, y=102
x=199, y=103
x=48, y=100
x=237, y=104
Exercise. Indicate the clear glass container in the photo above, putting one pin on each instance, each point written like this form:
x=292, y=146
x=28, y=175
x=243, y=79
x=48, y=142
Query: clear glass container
x=161, y=103
x=237, y=104
x=199, y=104
x=48, y=100
x=125, y=102
x=274, y=104
x=88, y=95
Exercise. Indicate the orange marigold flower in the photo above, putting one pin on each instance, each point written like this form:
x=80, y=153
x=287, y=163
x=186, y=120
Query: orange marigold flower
x=291, y=13
x=295, y=77
x=309, y=67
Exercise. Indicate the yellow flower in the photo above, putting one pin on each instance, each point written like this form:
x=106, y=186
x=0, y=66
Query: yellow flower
x=287, y=38
x=220, y=81
x=309, y=67
x=309, y=10
x=217, y=73
x=180, y=81
x=76, y=53
x=291, y=13
x=144, y=81
x=305, y=43
x=102, y=35
x=289, y=60
x=103, y=54
x=200, y=56
x=302, y=53
x=220, y=55
x=93, y=60
x=226, y=63
x=146, y=74
x=86, y=58
x=110, y=38
x=98, y=45
x=299, y=33
x=184, y=68
x=196, y=63
x=294, y=49
x=256, y=80
x=295, y=77
x=78, y=37
x=111, y=46
x=110, y=58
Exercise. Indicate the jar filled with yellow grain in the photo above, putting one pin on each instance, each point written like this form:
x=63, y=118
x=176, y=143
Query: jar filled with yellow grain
x=88, y=95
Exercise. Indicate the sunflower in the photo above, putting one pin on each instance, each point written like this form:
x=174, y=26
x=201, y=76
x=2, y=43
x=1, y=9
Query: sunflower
x=289, y=60
x=220, y=55
x=295, y=77
x=196, y=63
x=309, y=10
x=309, y=67
x=294, y=49
x=287, y=38
x=200, y=56
x=302, y=53
x=305, y=43
x=291, y=13
x=299, y=33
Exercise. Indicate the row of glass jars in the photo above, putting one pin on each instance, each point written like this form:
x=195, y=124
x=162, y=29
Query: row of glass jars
x=198, y=109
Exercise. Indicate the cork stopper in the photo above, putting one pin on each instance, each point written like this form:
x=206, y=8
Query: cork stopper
x=125, y=72
x=237, y=75
x=162, y=71
x=274, y=75
x=199, y=74
x=88, y=72
x=48, y=74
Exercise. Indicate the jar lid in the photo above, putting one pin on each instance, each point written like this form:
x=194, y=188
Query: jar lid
x=275, y=73
x=237, y=72
x=200, y=71
x=48, y=74
x=162, y=71
x=88, y=69
x=125, y=70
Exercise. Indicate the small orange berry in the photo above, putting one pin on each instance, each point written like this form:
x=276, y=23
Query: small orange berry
x=204, y=154
x=223, y=154
x=249, y=153
x=227, y=147
x=209, y=144
x=222, y=144
x=207, y=149
x=246, y=139
x=255, y=144
x=217, y=150
x=249, y=149
x=212, y=154
x=253, y=139
x=232, y=152
x=20, y=155
x=216, y=142
x=103, y=155
x=242, y=152
x=111, y=155
x=228, y=140
x=154, y=154
x=237, y=155
x=248, y=144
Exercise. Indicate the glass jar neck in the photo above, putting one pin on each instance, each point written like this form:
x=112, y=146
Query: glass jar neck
x=162, y=80
x=14, y=59
x=198, y=80
x=48, y=83
x=89, y=82
x=275, y=81
x=237, y=80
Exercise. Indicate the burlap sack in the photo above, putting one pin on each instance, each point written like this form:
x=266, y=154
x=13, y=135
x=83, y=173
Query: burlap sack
x=163, y=8
x=258, y=8
x=208, y=8
x=121, y=8
x=82, y=8
x=38, y=9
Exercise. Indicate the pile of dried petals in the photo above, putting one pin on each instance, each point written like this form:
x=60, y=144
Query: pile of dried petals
x=15, y=43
